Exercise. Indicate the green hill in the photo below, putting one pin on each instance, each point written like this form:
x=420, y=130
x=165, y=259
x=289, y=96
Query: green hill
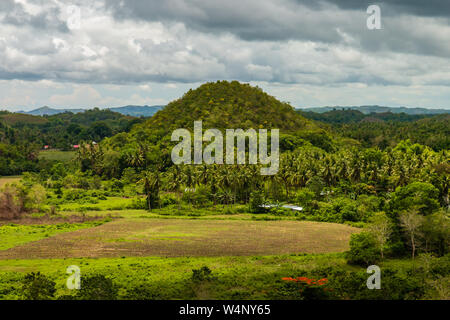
x=20, y=118
x=224, y=104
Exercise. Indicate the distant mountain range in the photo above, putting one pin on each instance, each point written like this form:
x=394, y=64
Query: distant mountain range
x=148, y=111
x=135, y=111
x=379, y=109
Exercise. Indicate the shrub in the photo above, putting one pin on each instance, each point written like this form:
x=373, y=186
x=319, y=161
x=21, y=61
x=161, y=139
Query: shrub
x=304, y=197
x=304, y=288
x=37, y=286
x=256, y=202
x=363, y=250
x=8, y=207
x=138, y=203
x=198, y=198
x=168, y=199
x=74, y=194
x=97, y=287
x=202, y=274
x=352, y=285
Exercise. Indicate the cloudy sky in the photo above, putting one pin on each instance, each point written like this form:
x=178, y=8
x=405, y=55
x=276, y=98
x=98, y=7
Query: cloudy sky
x=108, y=53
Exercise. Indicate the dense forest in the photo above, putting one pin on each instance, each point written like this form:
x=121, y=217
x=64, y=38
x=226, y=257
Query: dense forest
x=22, y=136
x=384, y=130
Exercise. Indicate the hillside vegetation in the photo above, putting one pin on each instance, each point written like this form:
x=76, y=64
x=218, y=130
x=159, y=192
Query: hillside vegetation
x=22, y=136
x=384, y=130
x=226, y=104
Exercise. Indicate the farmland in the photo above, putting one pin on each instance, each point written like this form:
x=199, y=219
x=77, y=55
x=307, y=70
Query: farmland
x=182, y=237
x=57, y=155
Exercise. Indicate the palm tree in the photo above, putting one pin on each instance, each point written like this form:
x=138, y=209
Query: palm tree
x=151, y=182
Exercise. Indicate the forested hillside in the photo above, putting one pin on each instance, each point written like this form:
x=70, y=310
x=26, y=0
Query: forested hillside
x=384, y=130
x=23, y=136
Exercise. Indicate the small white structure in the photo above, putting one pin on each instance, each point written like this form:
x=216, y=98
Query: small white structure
x=287, y=206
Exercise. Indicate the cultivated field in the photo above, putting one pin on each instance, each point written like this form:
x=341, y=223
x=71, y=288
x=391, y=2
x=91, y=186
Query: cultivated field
x=140, y=237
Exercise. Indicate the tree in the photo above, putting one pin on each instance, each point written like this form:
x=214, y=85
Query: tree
x=256, y=202
x=411, y=222
x=363, y=250
x=422, y=195
x=381, y=229
x=436, y=233
x=151, y=182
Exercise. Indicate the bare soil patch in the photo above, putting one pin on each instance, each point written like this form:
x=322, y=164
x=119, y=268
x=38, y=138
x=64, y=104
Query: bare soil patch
x=183, y=237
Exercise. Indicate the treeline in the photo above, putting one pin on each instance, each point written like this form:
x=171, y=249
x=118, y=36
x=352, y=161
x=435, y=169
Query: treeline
x=341, y=116
x=385, y=130
x=23, y=136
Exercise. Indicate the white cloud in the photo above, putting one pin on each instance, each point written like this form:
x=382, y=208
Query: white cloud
x=294, y=45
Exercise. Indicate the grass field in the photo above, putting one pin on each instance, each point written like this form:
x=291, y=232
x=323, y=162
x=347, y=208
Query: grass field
x=13, y=235
x=176, y=237
x=57, y=155
x=8, y=179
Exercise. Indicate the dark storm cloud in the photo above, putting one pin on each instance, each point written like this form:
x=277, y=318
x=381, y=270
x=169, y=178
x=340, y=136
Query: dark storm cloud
x=426, y=8
x=331, y=21
x=280, y=41
x=250, y=20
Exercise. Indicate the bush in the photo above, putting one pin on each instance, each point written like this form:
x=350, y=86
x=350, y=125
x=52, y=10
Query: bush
x=97, y=287
x=198, y=198
x=168, y=199
x=256, y=202
x=138, y=203
x=37, y=286
x=394, y=286
x=304, y=197
x=339, y=210
x=8, y=206
x=74, y=194
x=202, y=274
x=363, y=250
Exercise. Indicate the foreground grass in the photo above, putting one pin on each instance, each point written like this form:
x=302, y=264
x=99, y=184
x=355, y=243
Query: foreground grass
x=12, y=235
x=169, y=278
x=240, y=278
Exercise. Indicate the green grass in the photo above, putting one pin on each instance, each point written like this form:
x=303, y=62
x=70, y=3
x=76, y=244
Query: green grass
x=56, y=155
x=237, y=278
x=12, y=235
x=169, y=278
x=110, y=204
x=8, y=180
